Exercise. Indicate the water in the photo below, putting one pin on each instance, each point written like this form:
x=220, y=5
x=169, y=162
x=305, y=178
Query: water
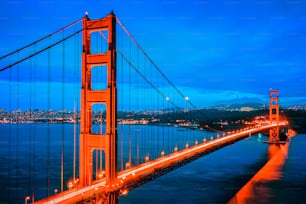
x=31, y=154
x=213, y=178
x=217, y=177
x=26, y=159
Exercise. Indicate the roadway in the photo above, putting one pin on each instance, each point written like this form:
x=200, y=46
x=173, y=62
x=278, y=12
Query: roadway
x=142, y=171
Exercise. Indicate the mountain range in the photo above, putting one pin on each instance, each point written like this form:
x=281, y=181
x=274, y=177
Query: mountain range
x=249, y=104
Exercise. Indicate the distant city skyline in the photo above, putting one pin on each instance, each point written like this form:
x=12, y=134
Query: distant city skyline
x=213, y=51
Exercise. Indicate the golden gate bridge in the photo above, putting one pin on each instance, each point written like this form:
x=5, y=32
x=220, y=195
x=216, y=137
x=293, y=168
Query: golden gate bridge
x=95, y=77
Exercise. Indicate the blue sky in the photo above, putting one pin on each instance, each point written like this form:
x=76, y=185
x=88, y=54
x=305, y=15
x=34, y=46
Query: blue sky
x=212, y=50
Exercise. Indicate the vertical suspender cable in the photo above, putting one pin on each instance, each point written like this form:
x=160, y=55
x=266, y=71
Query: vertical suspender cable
x=122, y=106
x=152, y=112
x=74, y=109
x=163, y=128
x=173, y=132
x=189, y=122
x=137, y=93
x=74, y=139
x=144, y=98
x=18, y=121
x=130, y=111
x=10, y=135
x=48, y=125
x=168, y=119
x=30, y=133
x=34, y=134
x=76, y=92
x=63, y=108
x=158, y=114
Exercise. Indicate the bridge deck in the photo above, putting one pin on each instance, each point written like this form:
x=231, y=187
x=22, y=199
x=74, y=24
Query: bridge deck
x=136, y=174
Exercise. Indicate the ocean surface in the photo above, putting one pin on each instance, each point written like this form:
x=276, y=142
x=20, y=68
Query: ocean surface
x=31, y=156
x=217, y=177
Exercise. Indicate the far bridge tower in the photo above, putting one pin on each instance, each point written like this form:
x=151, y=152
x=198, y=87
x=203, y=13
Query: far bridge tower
x=274, y=116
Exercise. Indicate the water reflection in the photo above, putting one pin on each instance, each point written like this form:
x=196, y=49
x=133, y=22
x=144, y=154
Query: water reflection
x=257, y=189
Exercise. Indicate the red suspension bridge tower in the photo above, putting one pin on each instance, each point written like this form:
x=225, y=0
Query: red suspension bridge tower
x=88, y=141
x=274, y=116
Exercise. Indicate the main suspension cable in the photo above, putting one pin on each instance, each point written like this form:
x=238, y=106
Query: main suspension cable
x=46, y=48
x=41, y=39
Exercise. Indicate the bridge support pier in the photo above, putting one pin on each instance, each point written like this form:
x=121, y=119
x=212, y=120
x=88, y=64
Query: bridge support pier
x=89, y=141
x=108, y=198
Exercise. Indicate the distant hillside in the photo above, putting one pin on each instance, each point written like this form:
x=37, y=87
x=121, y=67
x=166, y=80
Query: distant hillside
x=297, y=119
x=297, y=107
x=217, y=114
x=246, y=106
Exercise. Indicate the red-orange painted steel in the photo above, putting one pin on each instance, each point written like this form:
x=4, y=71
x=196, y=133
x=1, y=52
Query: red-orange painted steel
x=274, y=116
x=89, y=97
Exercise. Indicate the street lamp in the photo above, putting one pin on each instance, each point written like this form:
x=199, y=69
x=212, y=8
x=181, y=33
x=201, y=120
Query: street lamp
x=26, y=199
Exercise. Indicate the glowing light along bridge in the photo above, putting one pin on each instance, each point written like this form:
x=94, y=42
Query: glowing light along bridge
x=99, y=191
x=120, y=86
